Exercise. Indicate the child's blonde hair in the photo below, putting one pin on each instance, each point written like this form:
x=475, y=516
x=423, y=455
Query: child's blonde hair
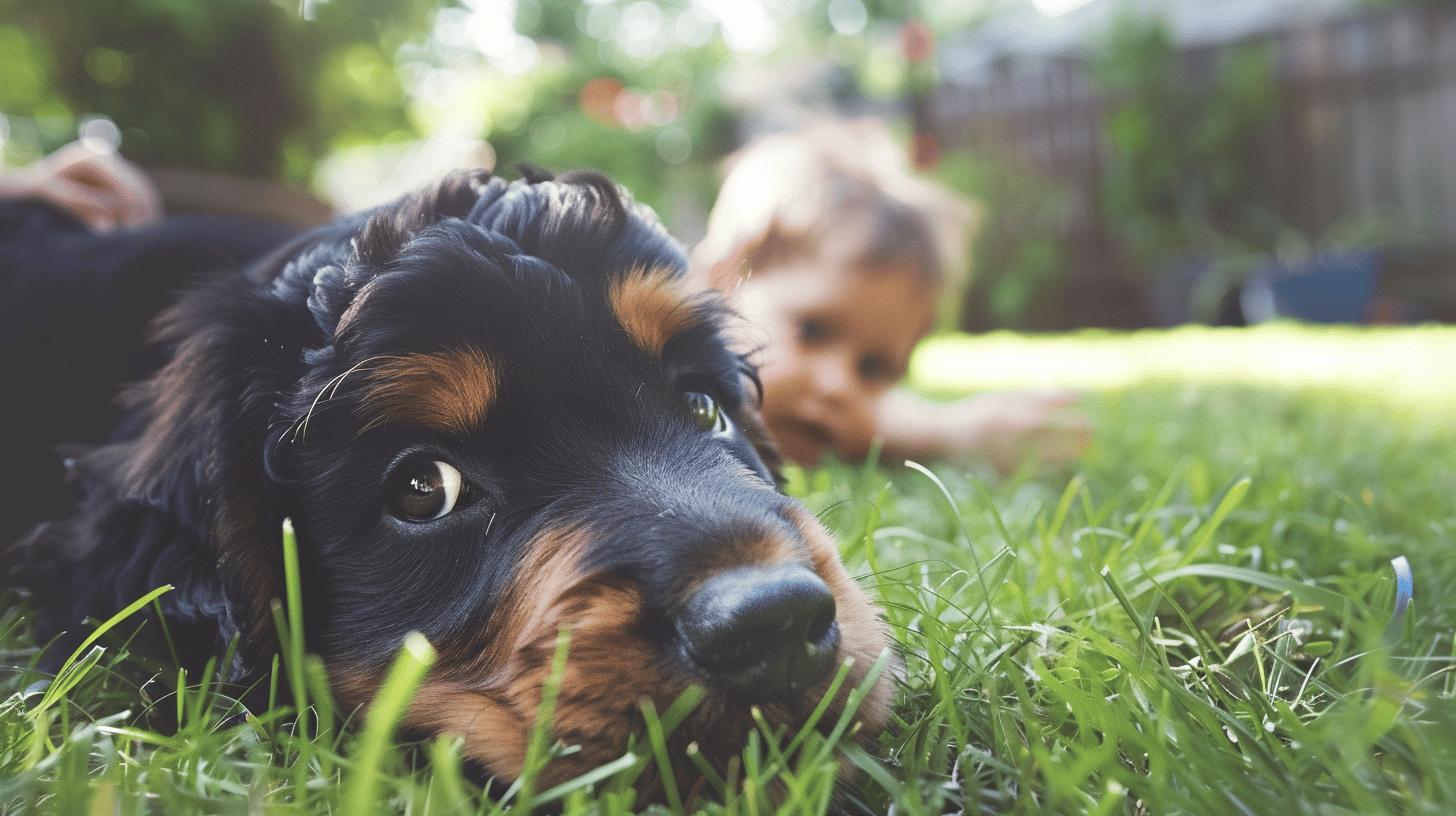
x=843, y=187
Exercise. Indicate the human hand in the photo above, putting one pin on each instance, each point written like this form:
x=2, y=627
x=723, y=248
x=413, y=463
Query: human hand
x=96, y=186
x=1012, y=427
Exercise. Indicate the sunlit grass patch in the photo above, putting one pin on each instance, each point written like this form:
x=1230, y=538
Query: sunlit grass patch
x=1399, y=364
x=1197, y=619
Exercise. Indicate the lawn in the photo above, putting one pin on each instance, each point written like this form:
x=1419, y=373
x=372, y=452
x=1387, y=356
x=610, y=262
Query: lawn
x=1197, y=619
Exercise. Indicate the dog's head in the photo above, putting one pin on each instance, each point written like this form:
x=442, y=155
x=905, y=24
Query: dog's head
x=495, y=411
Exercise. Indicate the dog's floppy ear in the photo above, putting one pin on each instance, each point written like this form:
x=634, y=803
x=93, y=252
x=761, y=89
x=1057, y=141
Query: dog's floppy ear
x=200, y=455
x=179, y=495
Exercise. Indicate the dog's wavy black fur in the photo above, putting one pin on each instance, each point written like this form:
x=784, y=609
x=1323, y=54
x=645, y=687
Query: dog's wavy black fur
x=595, y=503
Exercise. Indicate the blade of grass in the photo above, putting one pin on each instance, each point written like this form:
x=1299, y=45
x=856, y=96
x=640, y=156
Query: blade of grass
x=414, y=660
x=69, y=675
x=960, y=534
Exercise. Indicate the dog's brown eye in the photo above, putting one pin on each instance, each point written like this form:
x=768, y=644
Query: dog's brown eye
x=424, y=490
x=705, y=413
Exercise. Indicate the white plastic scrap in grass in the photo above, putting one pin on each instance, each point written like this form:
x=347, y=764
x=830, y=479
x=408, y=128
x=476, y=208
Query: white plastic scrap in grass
x=1405, y=589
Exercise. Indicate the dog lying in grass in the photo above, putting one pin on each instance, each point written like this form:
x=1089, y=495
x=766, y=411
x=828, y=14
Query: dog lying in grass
x=493, y=411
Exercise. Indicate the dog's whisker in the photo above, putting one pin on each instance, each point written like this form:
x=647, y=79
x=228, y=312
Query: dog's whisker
x=334, y=384
x=302, y=430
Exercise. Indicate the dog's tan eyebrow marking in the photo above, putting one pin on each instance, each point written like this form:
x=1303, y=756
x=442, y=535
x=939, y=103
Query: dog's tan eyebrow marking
x=653, y=304
x=449, y=391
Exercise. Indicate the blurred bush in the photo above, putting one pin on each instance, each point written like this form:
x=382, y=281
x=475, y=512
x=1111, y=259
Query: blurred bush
x=1019, y=264
x=1179, y=173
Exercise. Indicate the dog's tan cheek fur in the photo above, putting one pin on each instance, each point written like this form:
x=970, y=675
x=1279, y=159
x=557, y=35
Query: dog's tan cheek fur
x=492, y=701
x=862, y=635
x=597, y=705
x=495, y=735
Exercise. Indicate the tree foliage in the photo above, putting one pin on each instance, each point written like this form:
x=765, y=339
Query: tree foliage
x=243, y=86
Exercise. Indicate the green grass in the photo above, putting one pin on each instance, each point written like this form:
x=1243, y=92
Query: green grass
x=1195, y=620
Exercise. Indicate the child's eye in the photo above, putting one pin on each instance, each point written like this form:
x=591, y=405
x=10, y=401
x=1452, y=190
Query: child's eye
x=813, y=331
x=876, y=369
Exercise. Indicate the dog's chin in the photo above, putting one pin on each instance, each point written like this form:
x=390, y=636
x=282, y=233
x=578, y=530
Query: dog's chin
x=594, y=726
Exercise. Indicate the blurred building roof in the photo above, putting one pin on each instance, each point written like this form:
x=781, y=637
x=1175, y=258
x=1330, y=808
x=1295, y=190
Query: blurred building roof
x=1027, y=33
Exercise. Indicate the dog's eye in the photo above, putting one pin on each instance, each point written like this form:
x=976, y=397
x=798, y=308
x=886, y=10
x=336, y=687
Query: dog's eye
x=424, y=490
x=705, y=413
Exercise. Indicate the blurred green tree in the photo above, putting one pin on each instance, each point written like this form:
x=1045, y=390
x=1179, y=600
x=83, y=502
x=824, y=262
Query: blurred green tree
x=243, y=86
x=269, y=88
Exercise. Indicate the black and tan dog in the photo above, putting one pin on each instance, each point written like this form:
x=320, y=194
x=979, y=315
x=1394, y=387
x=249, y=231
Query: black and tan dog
x=493, y=411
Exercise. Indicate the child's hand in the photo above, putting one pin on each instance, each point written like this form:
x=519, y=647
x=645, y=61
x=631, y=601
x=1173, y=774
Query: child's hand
x=1009, y=428
x=97, y=187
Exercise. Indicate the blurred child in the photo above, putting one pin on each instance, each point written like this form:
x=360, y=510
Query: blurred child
x=837, y=257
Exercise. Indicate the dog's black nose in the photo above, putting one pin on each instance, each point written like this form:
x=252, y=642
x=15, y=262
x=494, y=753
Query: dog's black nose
x=762, y=633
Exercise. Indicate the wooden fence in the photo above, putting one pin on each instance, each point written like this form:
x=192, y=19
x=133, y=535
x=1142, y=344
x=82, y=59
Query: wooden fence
x=1366, y=130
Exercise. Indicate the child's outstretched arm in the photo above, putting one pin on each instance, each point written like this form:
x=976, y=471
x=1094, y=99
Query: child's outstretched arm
x=1003, y=428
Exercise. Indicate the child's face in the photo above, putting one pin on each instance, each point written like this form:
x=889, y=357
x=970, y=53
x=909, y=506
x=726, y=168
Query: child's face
x=838, y=338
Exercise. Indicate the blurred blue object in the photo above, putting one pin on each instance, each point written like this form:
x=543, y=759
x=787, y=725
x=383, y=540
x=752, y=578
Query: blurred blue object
x=1331, y=287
